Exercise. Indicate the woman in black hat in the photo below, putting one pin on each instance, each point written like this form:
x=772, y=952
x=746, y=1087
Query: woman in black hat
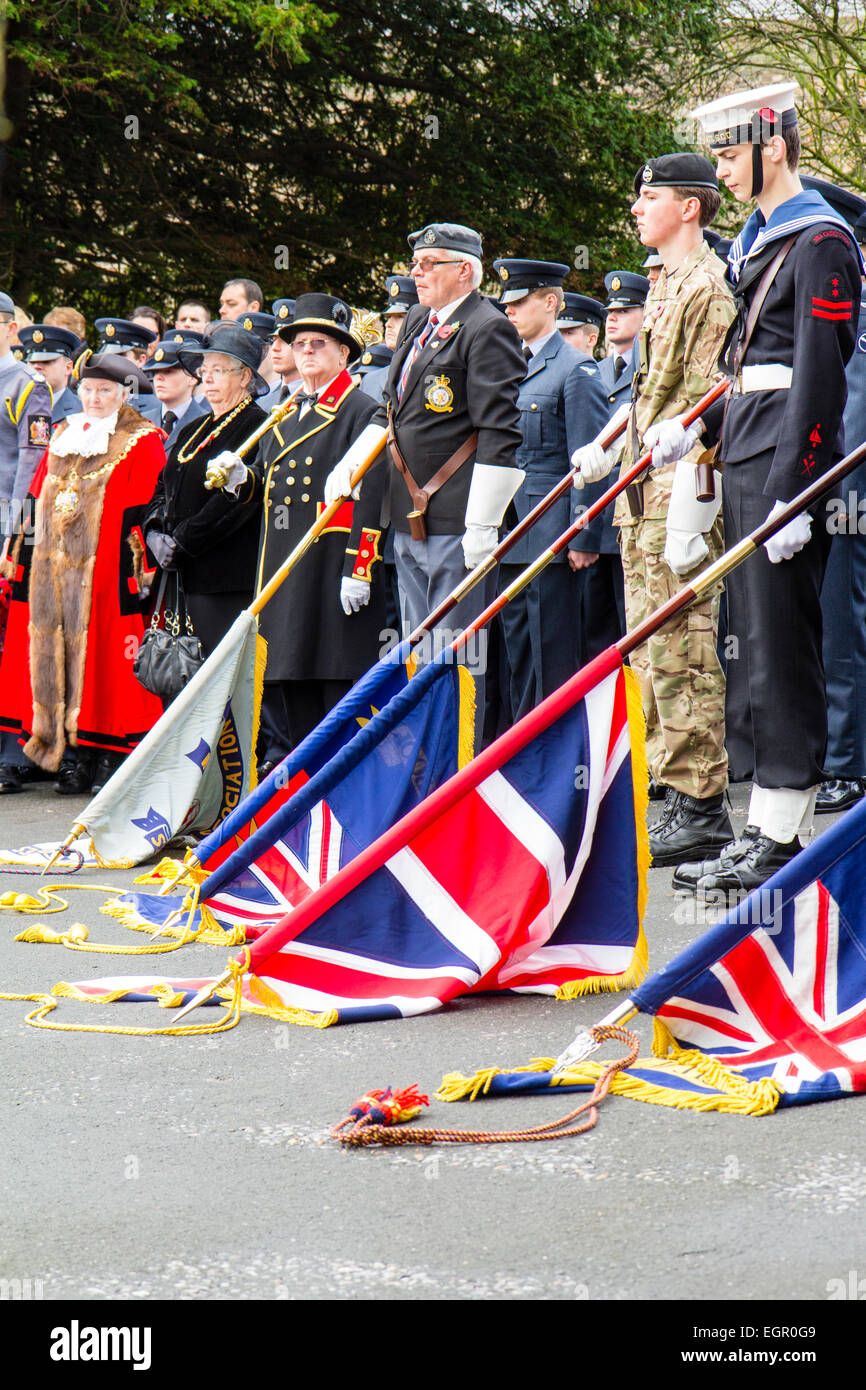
x=210, y=539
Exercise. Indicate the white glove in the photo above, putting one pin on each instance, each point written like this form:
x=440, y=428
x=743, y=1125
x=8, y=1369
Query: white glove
x=478, y=543
x=669, y=441
x=227, y=470
x=684, y=550
x=592, y=463
x=791, y=538
x=354, y=594
x=339, y=482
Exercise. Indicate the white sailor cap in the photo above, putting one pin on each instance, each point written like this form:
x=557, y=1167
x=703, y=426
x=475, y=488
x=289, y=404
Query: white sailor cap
x=748, y=117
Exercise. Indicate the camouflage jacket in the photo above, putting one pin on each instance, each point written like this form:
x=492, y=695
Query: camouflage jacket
x=686, y=319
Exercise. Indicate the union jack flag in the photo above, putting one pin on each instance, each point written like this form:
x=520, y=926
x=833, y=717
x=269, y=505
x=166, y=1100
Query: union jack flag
x=785, y=999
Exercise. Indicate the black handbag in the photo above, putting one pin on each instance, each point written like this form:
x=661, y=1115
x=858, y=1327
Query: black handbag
x=169, y=656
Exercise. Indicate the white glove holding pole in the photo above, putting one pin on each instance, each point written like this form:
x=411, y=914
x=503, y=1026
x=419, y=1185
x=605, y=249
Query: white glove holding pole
x=354, y=594
x=790, y=538
x=339, y=481
x=592, y=460
x=227, y=471
x=688, y=520
x=670, y=440
x=478, y=543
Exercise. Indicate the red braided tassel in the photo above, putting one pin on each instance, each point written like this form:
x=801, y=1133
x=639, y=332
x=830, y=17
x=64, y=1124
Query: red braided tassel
x=385, y=1107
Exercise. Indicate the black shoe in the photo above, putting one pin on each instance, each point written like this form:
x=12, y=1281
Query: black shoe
x=687, y=875
x=657, y=790
x=838, y=795
x=761, y=860
x=106, y=766
x=10, y=779
x=73, y=778
x=693, y=826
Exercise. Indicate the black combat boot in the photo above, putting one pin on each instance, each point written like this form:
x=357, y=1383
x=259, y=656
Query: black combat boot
x=687, y=875
x=694, y=826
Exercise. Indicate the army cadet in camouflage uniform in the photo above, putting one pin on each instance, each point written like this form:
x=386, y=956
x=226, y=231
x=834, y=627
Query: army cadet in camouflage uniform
x=686, y=318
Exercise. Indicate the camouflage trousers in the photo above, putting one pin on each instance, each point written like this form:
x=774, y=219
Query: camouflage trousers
x=682, y=682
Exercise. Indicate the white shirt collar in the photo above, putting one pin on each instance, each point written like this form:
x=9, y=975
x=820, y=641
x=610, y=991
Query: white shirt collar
x=449, y=310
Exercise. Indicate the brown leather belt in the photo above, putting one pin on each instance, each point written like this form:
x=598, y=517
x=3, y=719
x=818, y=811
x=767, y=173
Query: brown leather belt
x=421, y=495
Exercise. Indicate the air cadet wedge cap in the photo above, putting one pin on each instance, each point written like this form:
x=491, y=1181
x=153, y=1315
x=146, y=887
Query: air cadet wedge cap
x=749, y=116
x=323, y=311
x=446, y=236
x=235, y=341
x=848, y=205
x=42, y=342
x=110, y=367
x=166, y=353
x=579, y=310
x=376, y=355
x=263, y=325
x=402, y=294
x=676, y=171
x=283, y=311
x=122, y=333
x=6, y=305
x=519, y=277
x=625, y=289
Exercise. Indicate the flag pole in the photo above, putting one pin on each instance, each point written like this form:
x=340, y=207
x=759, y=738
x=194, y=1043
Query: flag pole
x=473, y=577
x=420, y=817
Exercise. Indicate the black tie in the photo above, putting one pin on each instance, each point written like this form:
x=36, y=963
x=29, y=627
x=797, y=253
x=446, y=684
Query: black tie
x=168, y=420
x=303, y=399
x=527, y=353
x=618, y=367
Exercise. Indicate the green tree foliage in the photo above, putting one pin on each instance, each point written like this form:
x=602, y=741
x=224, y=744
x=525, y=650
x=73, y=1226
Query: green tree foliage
x=161, y=146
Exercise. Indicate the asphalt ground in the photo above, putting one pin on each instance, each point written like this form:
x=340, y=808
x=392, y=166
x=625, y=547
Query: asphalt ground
x=189, y=1168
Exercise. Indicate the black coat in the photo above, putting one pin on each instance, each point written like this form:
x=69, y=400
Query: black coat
x=309, y=636
x=217, y=533
x=808, y=322
x=465, y=379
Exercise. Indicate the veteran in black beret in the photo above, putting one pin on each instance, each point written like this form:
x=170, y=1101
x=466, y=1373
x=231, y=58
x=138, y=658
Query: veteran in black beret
x=52, y=350
x=581, y=320
x=450, y=408
x=562, y=406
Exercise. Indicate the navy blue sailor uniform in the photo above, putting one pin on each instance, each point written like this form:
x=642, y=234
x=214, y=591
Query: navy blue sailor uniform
x=562, y=406
x=782, y=429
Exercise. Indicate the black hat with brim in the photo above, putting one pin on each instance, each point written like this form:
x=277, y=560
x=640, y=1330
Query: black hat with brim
x=625, y=289
x=374, y=356
x=580, y=311
x=111, y=367
x=44, y=341
x=326, y=313
x=234, y=341
x=166, y=355
x=520, y=277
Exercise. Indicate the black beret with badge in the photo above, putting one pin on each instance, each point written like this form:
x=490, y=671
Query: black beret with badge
x=676, y=171
x=520, y=277
x=446, y=236
x=580, y=310
x=625, y=289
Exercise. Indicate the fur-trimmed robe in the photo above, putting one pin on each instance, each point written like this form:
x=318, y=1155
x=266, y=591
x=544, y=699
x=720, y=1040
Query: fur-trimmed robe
x=77, y=589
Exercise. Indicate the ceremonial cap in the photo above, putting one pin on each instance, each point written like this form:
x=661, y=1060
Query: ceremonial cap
x=6, y=305
x=519, y=277
x=580, y=309
x=376, y=355
x=263, y=325
x=44, y=341
x=676, y=171
x=402, y=294
x=446, y=236
x=283, y=311
x=653, y=259
x=122, y=333
x=235, y=341
x=326, y=312
x=625, y=289
x=183, y=335
x=166, y=354
x=849, y=205
x=748, y=117
x=110, y=367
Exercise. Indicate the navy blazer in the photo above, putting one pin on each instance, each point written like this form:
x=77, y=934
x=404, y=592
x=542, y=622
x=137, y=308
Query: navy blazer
x=600, y=537
x=562, y=405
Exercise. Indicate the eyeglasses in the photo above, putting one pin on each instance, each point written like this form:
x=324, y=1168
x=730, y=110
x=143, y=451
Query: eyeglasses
x=314, y=344
x=218, y=373
x=425, y=265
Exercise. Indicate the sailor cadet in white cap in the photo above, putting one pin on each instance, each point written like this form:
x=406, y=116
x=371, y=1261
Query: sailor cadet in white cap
x=795, y=268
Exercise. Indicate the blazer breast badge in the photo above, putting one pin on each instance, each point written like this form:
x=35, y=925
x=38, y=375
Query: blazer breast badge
x=439, y=396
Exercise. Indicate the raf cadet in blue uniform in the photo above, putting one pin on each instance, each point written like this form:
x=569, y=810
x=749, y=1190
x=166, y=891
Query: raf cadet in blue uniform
x=132, y=340
x=174, y=383
x=843, y=595
x=52, y=351
x=562, y=405
x=595, y=553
